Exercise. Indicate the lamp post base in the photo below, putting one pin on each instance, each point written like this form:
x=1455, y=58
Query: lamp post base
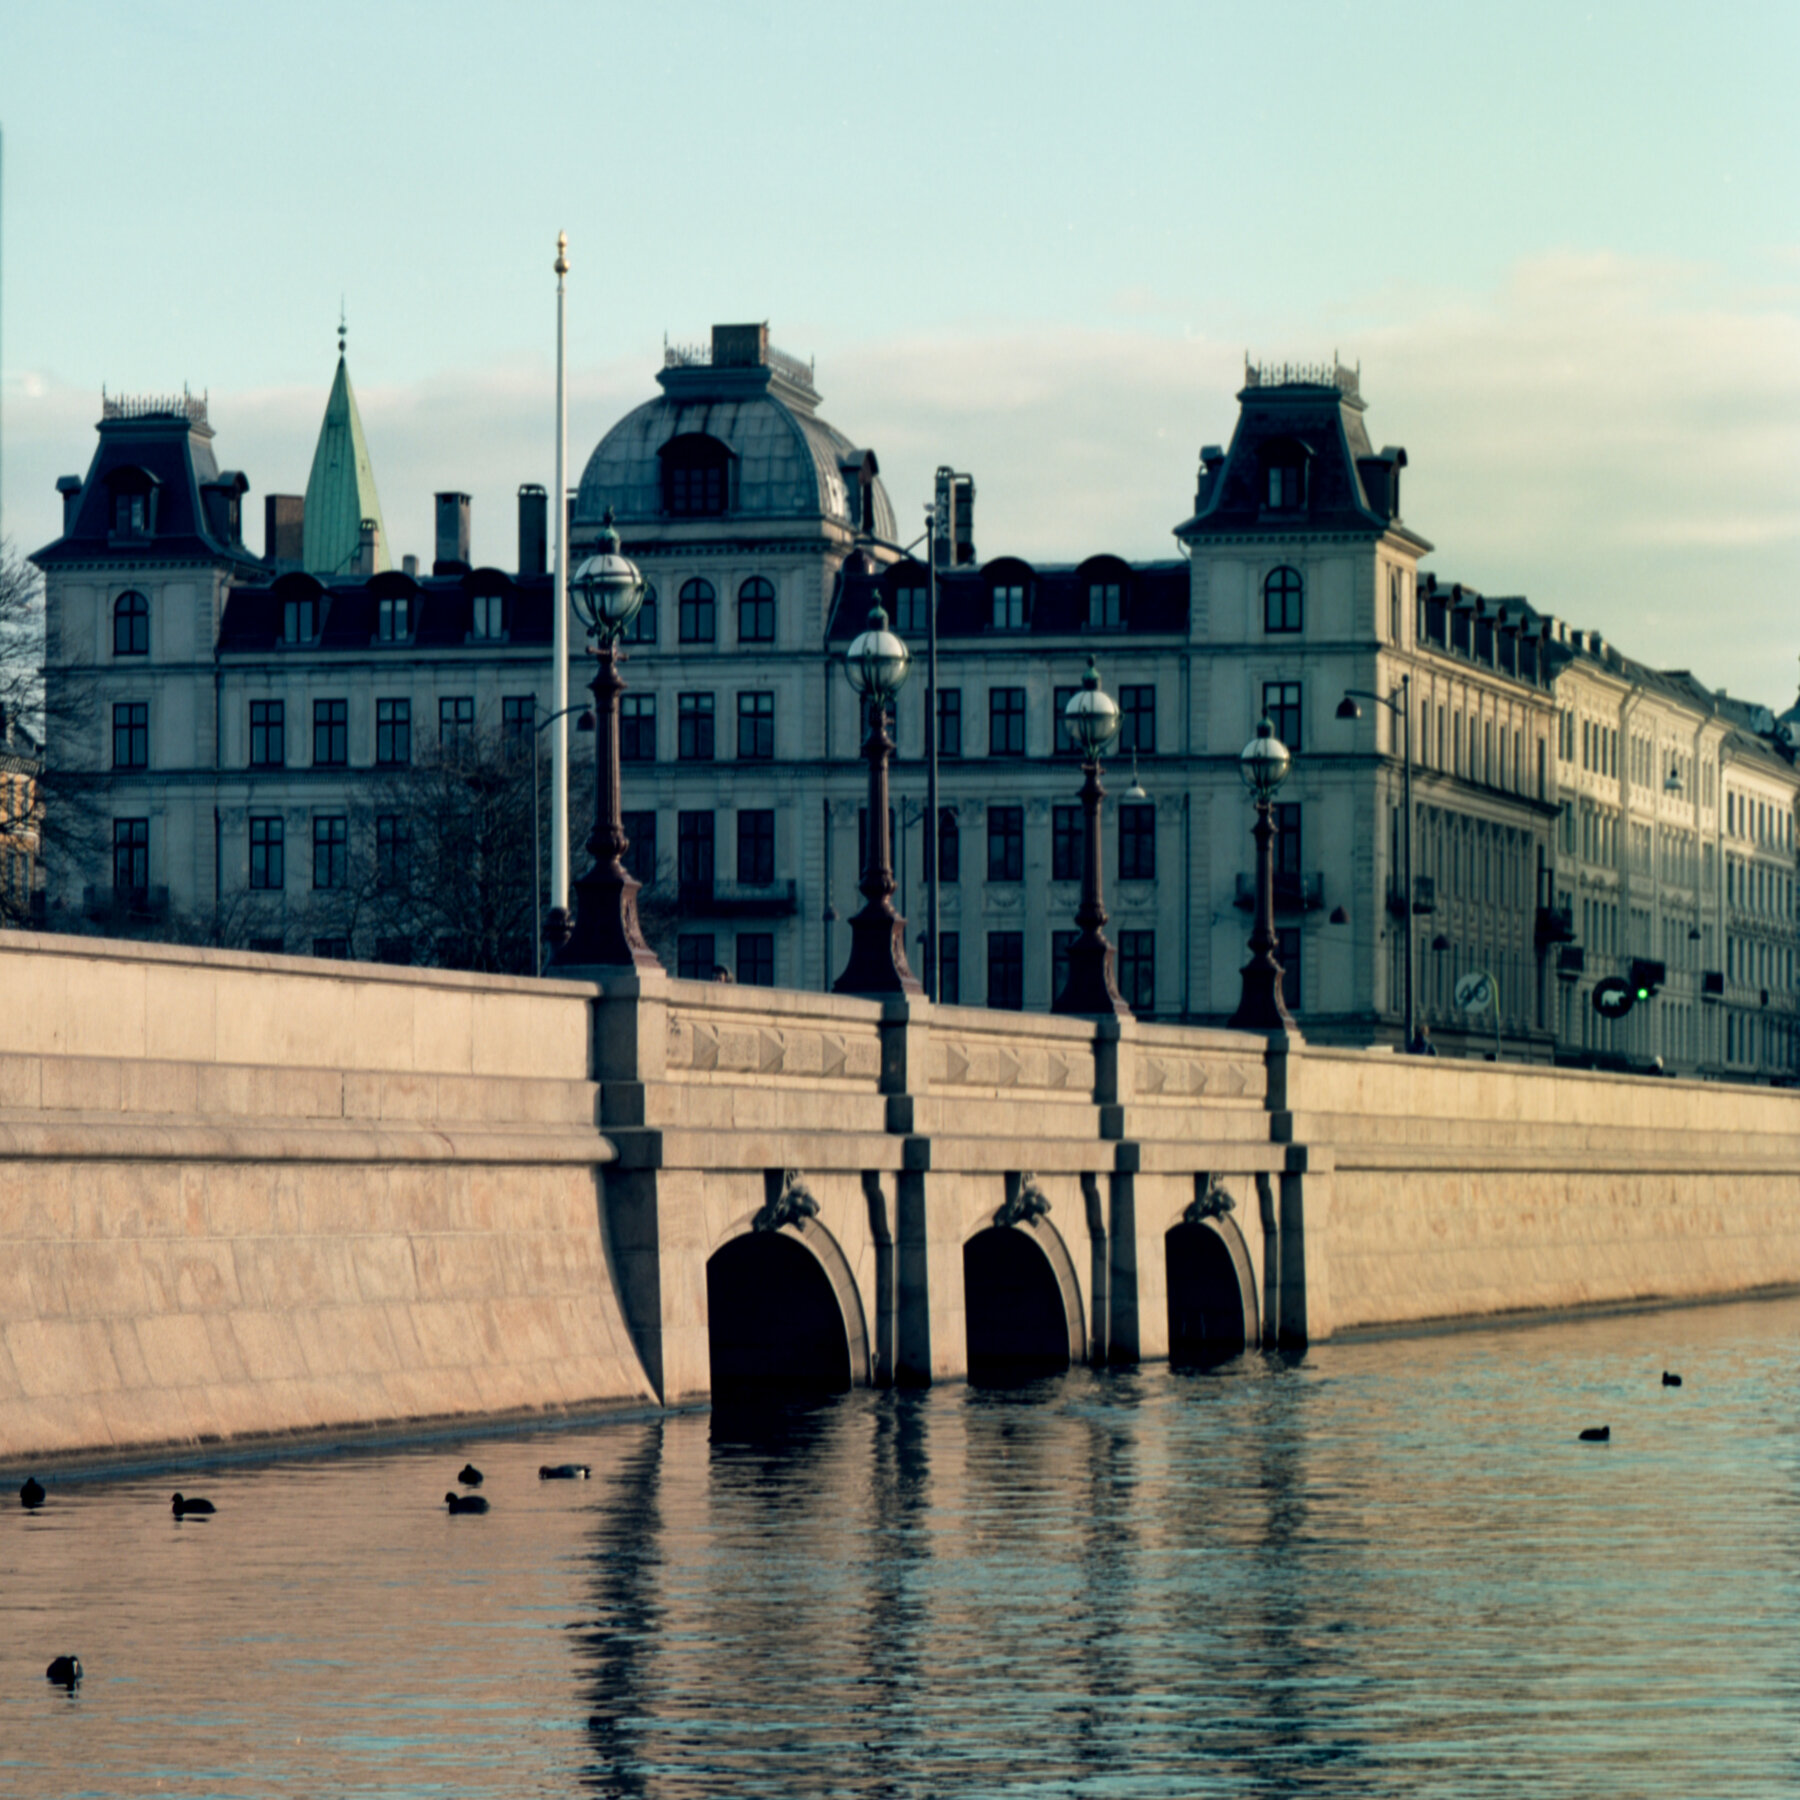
x=877, y=962
x=1261, y=1005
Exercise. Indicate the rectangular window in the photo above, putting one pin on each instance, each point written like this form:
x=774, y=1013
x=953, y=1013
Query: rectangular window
x=331, y=852
x=756, y=959
x=1065, y=843
x=756, y=727
x=1281, y=707
x=950, y=974
x=393, y=623
x=393, y=850
x=1061, y=944
x=1106, y=606
x=694, y=958
x=518, y=725
x=1062, y=740
x=131, y=735
x=949, y=846
x=268, y=734
x=1006, y=721
x=637, y=728
x=396, y=950
x=640, y=852
x=456, y=724
x=332, y=949
x=694, y=851
x=1137, y=970
x=393, y=733
x=950, y=722
x=756, y=847
x=1137, y=842
x=694, y=727
x=268, y=853
x=1006, y=970
x=1006, y=843
x=912, y=607
x=1287, y=953
x=331, y=734
x=131, y=855
x=1287, y=837
x=1009, y=607
x=487, y=620
x=1137, y=719
x=642, y=629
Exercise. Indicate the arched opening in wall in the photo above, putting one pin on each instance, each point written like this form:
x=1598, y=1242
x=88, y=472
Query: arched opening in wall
x=1206, y=1299
x=1018, y=1328
x=773, y=1320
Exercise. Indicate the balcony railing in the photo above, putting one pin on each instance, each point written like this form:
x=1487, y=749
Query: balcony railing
x=1294, y=892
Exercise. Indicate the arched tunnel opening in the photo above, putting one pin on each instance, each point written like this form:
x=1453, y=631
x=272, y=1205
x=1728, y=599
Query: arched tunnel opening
x=1017, y=1327
x=773, y=1321
x=1206, y=1304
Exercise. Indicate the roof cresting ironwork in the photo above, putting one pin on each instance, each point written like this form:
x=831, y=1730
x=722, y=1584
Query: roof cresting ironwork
x=1333, y=374
x=184, y=405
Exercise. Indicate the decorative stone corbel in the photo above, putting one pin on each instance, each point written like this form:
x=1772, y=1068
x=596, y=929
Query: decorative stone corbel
x=1210, y=1201
x=790, y=1202
x=1025, y=1201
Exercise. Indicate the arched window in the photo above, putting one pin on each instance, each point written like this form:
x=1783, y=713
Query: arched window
x=1104, y=583
x=1282, y=595
x=699, y=623
x=1009, y=589
x=756, y=612
x=131, y=625
x=696, y=473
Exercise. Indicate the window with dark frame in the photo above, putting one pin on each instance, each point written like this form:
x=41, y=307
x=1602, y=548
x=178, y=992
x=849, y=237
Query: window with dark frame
x=912, y=609
x=642, y=629
x=694, y=852
x=1286, y=819
x=131, y=735
x=300, y=619
x=1006, y=721
x=1287, y=953
x=637, y=728
x=518, y=725
x=488, y=616
x=756, y=611
x=1282, y=600
x=756, y=847
x=1106, y=606
x=694, y=727
x=1137, y=842
x=1006, y=970
x=1137, y=970
x=1137, y=719
x=950, y=722
x=331, y=734
x=756, y=727
x=268, y=734
x=331, y=852
x=1066, y=836
x=696, y=476
x=131, y=856
x=640, y=852
x=694, y=957
x=131, y=625
x=1009, y=606
x=697, y=612
x=393, y=733
x=456, y=724
x=393, y=618
x=393, y=850
x=949, y=866
x=1062, y=740
x=268, y=853
x=1006, y=843
x=756, y=959
x=1287, y=484
x=949, y=968
x=1281, y=707
x=1062, y=943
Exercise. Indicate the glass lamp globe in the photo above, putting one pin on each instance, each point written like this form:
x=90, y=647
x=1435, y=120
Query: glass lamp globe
x=1091, y=715
x=607, y=589
x=1264, y=762
x=878, y=661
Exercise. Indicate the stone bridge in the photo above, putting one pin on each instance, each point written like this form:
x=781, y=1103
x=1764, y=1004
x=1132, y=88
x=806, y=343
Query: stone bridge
x=246, y=1195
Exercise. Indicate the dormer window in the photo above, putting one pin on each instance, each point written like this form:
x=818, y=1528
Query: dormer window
x=489, y=616
x=300, y=620
x=131, y=515
x=696, y=473
x=1106, y=606
x=1284, y=476
x=394, y=618
x=1009, y=606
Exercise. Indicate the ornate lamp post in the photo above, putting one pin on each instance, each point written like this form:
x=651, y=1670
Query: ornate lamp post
x=1093, y=722
x=1264, y=764
x=876, y=666
x=607, y=592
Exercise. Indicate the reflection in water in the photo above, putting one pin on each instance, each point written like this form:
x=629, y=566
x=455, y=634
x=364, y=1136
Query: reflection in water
x=1379, y=1569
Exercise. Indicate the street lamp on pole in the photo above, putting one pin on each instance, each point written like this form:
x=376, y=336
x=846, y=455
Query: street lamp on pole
x=1092, y=718
x=607, y=592
x=1263, y=763
x=876, y=666
x=1402, y=710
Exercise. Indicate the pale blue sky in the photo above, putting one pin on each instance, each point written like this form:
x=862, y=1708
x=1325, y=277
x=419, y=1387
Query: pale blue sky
x=1034, y=240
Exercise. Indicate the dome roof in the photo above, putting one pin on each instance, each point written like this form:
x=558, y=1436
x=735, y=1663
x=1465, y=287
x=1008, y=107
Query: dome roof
x=786, y=462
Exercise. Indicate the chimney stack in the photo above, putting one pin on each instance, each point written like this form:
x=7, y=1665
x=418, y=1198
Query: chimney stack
x=284, y=521
x=69, y=486
x=367, y=544
x=534, y=530
x=452, y=535
x=409, y=565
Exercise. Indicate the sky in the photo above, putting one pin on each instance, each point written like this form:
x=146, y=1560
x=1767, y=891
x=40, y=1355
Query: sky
x=1035, y=241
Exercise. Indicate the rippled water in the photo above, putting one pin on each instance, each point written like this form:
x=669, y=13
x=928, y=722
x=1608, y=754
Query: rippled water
x=1385, y=1568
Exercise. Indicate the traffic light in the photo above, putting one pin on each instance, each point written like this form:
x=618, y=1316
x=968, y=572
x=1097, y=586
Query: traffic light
x=1646, y=976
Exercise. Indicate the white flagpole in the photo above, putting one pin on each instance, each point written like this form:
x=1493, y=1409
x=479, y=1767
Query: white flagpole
x=559, y=603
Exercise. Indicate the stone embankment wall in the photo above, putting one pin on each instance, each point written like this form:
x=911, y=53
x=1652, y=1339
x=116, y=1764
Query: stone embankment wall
x=252, y=1195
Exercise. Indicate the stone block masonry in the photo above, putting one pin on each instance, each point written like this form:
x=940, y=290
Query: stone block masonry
x=246, y=1196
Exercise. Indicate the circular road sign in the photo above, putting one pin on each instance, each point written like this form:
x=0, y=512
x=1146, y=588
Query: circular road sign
x=1614, y=997
x=1474, y=992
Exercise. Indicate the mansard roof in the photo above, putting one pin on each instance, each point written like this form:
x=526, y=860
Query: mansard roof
x=162, y=444
x=1311, y=416
x=442, y=606
x=1155, y=600
x=340, y=492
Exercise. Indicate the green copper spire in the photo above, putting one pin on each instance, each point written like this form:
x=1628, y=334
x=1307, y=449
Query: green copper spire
x=340, y=492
